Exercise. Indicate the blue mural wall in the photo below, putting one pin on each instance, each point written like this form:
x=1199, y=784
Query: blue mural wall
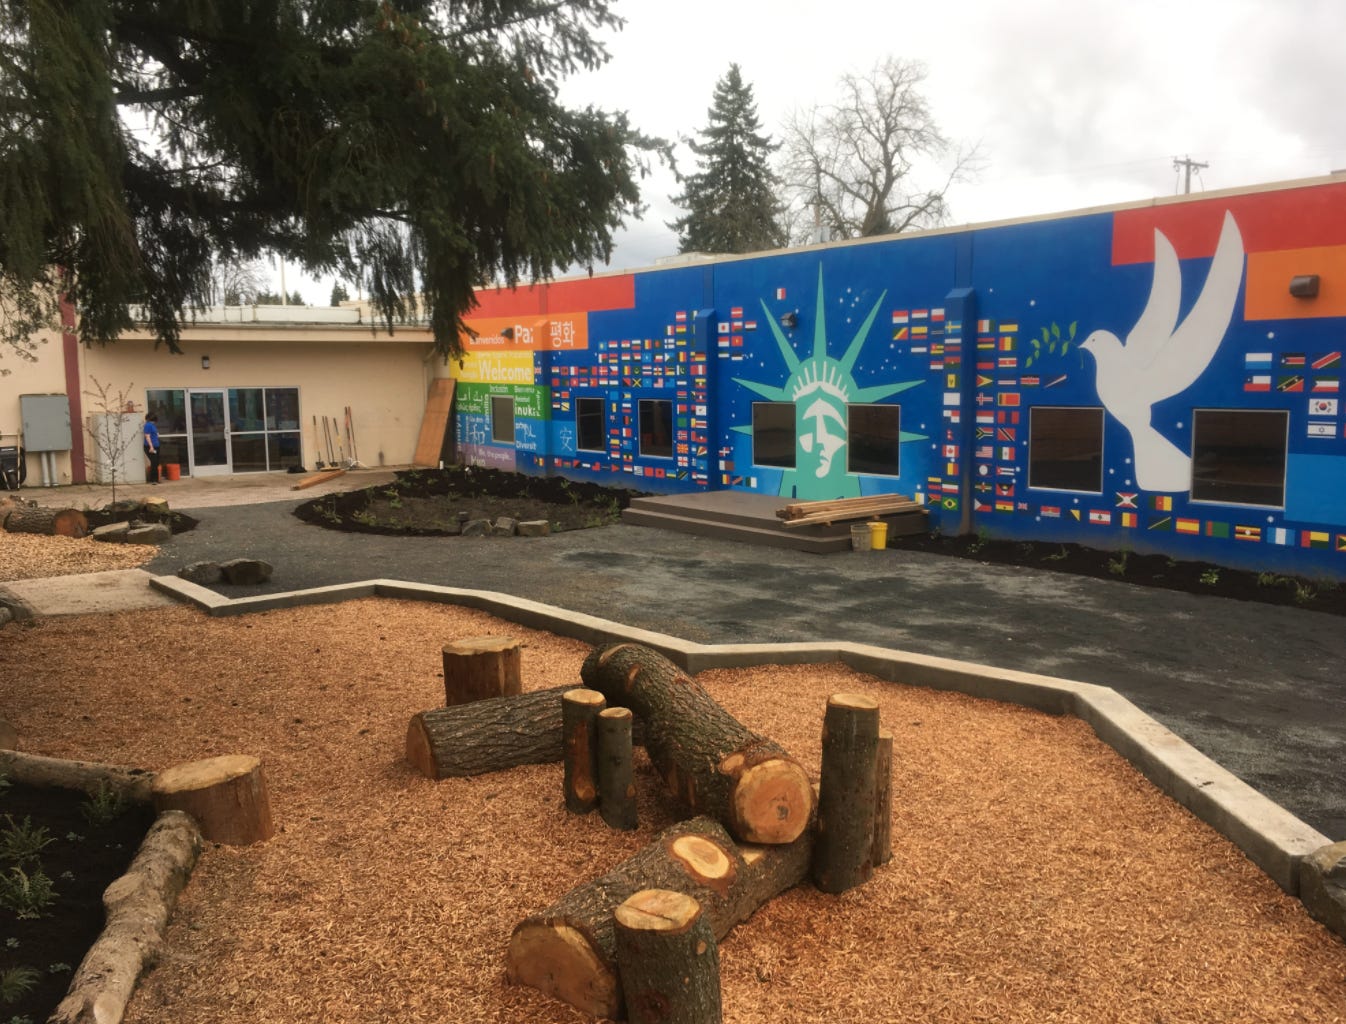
x=1140, y=379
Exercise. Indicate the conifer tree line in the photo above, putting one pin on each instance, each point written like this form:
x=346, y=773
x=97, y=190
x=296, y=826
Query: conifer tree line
x=152, y=152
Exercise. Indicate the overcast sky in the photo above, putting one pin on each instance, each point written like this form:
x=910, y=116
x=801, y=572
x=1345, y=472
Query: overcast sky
x=1074, y=103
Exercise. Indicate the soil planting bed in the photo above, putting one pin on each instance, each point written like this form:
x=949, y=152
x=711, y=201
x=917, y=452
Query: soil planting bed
x=82, y=859
x=429, y=502
x=1037, y=876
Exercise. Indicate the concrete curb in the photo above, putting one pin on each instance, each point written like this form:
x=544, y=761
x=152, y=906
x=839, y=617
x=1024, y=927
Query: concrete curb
x=1270, y=836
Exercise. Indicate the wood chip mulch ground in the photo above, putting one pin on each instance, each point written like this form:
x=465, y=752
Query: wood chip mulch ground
x=1037, y=877
x=26, y=556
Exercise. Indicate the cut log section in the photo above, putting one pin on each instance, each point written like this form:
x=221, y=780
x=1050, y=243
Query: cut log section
x=579, y=727
x=489, y=735
x=568, y=950
x=59, y=522
x=131, y=784
x=226, y=795
x=138, y=906
x=481, y=667
x=616, y=786
x=667, y=959
x=883, y=800
x=707, y=758
x=844, y=854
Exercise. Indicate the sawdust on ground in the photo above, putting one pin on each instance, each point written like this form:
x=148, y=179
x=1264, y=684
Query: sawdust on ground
x=1037, y=876
x=28, y=556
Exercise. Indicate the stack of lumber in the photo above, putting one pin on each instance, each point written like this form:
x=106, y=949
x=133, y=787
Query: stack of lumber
x=812, y=513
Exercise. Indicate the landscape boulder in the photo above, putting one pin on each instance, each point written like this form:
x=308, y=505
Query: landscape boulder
x=1322, y=886
x=477, y=528
x=112, y=533
x=504, y=527
x=204, y=573
x=535, y=528
x=246, y=571
x=150, y=533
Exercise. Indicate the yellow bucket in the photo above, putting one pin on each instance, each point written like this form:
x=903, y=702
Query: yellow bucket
x=878, y=536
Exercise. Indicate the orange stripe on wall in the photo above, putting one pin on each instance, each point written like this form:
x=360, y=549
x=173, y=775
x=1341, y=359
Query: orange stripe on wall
x=1268, y=293
x=585, y=295
x=1295, y=218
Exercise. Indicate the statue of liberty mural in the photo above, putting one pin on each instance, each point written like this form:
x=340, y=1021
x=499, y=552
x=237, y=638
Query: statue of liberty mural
x=821, y=388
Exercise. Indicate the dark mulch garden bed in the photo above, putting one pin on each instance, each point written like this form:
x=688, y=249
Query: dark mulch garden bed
x=38, y=954
x=1204, y=578
x=436, y=502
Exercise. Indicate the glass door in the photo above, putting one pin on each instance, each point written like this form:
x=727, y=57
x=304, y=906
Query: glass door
x=209, y=433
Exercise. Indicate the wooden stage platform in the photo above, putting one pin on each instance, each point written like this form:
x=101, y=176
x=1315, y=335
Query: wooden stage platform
x=750, y=518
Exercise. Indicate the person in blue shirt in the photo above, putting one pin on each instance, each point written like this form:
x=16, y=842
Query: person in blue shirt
x=152, y=448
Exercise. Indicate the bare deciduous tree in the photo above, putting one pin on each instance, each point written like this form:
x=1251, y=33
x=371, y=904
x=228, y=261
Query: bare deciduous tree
x=849, y=167
x=237, y=282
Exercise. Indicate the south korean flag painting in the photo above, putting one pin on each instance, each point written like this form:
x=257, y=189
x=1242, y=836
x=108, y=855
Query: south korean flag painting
x=1322, y=406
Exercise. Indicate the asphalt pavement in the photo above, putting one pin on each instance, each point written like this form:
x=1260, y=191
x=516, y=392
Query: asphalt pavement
x=1257, y=687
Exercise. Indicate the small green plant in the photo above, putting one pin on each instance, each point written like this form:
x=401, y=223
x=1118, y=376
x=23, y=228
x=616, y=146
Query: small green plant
x=1270, y=579
x=17, y=982
x=1172, y=563
x=22, y=842
x=11, y=943
x=57, y=968
x=1304, y=592
x=1117, y=566
x=27, y=895
x=983, y=535
x=20, y=1019
x=365, y=516
x=1059, y=556
x=4, y=782
x=1210, y=577
x=104, y=806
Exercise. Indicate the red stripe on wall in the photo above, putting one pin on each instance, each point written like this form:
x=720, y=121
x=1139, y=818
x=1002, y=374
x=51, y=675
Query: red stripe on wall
x=70, y=358
x=587, y=295
x=1296, y=218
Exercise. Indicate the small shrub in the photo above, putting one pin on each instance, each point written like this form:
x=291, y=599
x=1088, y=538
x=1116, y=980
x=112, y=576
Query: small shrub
x=1304, y=592
x=1117, y=566
x=1059, y=556
x=27, y=895
x=1210, y=577
x=17, y=982
x=983, y=535
x=20, y=843
x=104, y=806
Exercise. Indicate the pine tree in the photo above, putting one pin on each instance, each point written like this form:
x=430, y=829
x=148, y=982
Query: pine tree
x=418, y=145
x=339, y=293
x=731, y=200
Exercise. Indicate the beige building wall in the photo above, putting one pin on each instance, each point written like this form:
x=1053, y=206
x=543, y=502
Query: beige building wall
x=45, y=376
x=383, y=380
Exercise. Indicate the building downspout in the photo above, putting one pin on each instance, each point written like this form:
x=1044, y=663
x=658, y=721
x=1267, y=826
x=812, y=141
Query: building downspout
x=74, y=392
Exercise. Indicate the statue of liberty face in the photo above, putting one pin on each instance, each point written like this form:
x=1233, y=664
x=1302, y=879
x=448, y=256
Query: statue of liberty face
x=821, y=388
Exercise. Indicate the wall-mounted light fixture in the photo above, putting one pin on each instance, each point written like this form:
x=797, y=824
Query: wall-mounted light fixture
x=205, y=362
x=789, y=320
x=1304, y=286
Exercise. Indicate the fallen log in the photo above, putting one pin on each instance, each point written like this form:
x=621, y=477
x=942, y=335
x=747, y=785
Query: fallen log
x=138, y=905
x=568, y=950
x=57, y=522
x=489, y=735
x=132, y=784
x=668, y=961
x=707, y=758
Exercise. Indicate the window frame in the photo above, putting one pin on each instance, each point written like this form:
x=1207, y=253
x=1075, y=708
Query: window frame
x=1102, y=447
x=1284, y=415
x=794, y=435
x=896, y=408
x=640, y=428
x=580, y=403
x=496, y=418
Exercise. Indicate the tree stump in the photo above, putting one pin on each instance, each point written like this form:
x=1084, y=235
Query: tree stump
x=59, y=522
x=667, y=959
x=616, y=787
x=226, y=795
x=481, y=667
x=568, y=950
x=707, y=758
x=843, y=857
x=883, y=800
x=579, y=730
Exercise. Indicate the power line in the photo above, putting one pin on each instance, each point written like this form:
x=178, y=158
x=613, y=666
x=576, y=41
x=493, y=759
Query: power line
x=1190, y=165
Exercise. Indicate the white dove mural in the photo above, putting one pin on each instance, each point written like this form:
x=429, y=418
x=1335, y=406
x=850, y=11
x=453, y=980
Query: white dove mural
x=1162, y=357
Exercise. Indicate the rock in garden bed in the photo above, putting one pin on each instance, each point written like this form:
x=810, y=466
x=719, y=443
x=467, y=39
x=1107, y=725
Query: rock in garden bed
x=447, y=502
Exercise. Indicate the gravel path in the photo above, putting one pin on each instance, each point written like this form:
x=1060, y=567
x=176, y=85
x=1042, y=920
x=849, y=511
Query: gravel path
x=1256, y=687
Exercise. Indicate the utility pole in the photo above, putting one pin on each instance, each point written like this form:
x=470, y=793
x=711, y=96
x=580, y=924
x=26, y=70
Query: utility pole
x=1189, y=164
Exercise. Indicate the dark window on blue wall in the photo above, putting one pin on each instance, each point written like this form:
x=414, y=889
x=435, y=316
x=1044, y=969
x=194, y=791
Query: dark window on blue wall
x=1065, y=449
x=1238, y=456
x=773, y=434
x=502, y=419
x=875, y=435
x=656, y=428
x=589, y=424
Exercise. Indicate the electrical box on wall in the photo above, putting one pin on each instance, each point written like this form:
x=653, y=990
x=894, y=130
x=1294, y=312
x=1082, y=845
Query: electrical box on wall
x=46, y=423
